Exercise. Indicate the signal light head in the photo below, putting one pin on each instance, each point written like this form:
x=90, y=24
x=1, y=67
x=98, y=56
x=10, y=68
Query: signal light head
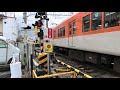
x=36, y=15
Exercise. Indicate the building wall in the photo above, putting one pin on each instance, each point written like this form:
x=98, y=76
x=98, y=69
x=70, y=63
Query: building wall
x=1, y=28
x=10, y=29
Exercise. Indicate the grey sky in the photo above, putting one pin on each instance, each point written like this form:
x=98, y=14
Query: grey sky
x=31, y=19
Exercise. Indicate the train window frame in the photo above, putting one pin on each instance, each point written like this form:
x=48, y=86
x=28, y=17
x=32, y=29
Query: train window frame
x=63, y=31
x=99, y=26
x=70, y=28
x=83, y=24
x=74, y=29
x=54, y=33
x=58, y=32
x=108, y=25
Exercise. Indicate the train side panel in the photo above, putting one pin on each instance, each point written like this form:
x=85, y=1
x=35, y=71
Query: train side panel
x=106, y=43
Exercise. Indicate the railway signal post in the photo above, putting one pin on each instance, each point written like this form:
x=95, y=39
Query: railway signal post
x=42, y=57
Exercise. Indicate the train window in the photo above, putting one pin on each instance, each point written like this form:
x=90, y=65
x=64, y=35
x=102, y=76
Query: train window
x=74, y=27
x=70, y=25
x=111, y=19
x=86, y=23
x=70, y=28
x=96, y=20
x=63, y=31
x=58, y=32
x=54, y=34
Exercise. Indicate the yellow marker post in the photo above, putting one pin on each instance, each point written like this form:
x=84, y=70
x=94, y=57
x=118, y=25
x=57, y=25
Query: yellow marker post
x=48, y=47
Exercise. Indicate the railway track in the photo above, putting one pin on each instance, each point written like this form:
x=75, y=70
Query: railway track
x=88, y=68
x=5, y=71
x=4, y=68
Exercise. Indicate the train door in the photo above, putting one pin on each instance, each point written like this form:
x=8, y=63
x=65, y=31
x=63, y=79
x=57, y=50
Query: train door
x=70, y=35
x=72, y=32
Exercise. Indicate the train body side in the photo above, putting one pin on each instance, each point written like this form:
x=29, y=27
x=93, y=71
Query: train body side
x=106, y=43
x=104, y=40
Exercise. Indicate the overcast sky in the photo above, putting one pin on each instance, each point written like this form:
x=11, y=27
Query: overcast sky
x=53, y=20
x=31, y=19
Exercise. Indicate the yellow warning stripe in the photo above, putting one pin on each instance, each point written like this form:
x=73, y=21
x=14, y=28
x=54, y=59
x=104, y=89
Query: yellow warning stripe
x=62, y=63
x=41, y=40
x=36, y=30
x=68, y=66
x=41, y=55
x=46, y=70
x=62, y=70
x=46, y=65
x=58, y=60
x=41, y=47
x=34, y=74
x=87, y=76
x=76, y=70
x=42, y=61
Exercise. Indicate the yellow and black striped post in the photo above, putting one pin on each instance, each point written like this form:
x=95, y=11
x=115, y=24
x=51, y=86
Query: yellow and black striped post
x=42, y=58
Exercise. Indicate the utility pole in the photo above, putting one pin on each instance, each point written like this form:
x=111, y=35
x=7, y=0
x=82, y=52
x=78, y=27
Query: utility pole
x=25, y=17
x=46, y=21
x=25, y=40
x=25, y=20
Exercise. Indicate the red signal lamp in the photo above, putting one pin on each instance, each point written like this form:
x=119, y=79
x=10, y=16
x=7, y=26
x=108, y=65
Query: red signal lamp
x=48, y=46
